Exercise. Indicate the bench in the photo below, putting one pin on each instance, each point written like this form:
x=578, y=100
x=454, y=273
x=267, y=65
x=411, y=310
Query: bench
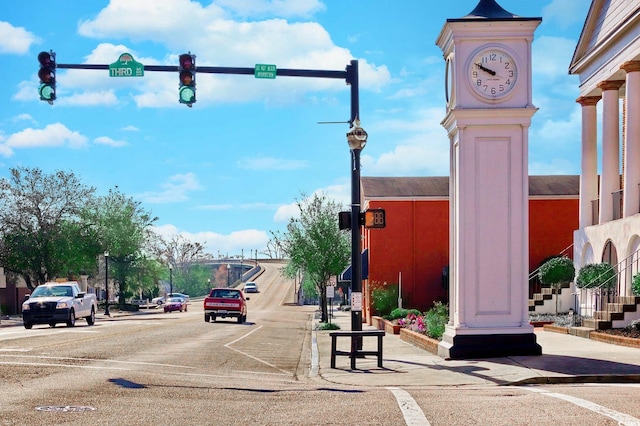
x=356, y=339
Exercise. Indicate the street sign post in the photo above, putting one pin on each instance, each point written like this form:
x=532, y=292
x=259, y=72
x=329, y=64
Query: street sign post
x=265, y=71
x=126, y=66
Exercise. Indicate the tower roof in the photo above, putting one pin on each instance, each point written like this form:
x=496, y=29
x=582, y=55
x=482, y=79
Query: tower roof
x=490, y=10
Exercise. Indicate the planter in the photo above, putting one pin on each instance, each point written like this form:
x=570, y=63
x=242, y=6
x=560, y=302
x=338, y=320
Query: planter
x=386, y=325
x=616, y=340
x=420, y=340
x=540, y=323
x=556, y=329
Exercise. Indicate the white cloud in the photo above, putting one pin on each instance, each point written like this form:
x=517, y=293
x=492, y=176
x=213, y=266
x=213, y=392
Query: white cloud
x=339, y=192
x=107, y=97
x=234, y=242
x=53, y=135
x=423, y=151
x=175, y=190
x=15, y=40
x=104, y=140
x=23, y=117
x=564, y=13
x=546, y=52
x=285, y=8
x=298, y=45
x=130, y=128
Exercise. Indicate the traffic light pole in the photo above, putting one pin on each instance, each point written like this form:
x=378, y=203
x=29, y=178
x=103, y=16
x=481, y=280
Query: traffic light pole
x=350, y=75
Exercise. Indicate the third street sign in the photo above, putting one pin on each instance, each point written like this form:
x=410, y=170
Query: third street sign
x=126, y=66
x=265, y=71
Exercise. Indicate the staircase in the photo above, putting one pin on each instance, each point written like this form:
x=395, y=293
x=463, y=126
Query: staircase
x=547, y=293
x=618, y=313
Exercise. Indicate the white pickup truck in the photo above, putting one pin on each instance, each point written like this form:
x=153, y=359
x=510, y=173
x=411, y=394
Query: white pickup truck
x=52, y=303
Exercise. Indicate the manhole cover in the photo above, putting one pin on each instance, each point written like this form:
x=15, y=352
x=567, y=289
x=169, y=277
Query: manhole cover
x=65, y=408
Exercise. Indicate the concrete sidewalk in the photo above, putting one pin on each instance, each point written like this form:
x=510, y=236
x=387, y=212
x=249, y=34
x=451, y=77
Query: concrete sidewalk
x=564, y=359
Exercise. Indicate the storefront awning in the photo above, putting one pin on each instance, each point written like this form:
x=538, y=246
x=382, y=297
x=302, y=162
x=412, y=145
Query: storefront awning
x=346, y=274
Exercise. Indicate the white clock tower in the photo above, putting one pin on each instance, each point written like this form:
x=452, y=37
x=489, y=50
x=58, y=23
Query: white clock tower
x=489, y=110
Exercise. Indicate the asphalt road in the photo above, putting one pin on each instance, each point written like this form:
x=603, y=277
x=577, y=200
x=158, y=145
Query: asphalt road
x=175, y=369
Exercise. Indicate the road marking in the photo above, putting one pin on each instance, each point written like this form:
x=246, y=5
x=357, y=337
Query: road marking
x=251, y=356
x=621, y=418
x=44, y=364
x=115, y=361
x=413, y=415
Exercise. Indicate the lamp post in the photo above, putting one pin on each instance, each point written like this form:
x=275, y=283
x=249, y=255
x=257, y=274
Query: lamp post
x=170, y=280
x=106, y=283
x=208, y=284
x=228, y=273
x=357, y=139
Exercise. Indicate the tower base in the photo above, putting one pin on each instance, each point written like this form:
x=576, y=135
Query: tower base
x=467, y=346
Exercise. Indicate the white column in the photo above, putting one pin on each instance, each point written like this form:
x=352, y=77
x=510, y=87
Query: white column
x=589, y=171
x=610, y=180
x=631, y=200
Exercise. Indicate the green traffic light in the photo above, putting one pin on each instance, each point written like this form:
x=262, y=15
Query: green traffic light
x=187, y=95
x=46, y=92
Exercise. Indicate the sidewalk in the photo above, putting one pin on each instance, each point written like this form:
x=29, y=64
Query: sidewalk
x=564, y=359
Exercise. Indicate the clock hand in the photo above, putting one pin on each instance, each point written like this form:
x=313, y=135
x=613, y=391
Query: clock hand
x=487, y=70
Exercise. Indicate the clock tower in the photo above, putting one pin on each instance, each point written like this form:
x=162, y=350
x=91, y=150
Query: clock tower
x=489, y=110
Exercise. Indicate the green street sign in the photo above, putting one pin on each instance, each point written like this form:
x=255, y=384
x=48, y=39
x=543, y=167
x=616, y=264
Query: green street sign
x=126, y=66
x=265, y=71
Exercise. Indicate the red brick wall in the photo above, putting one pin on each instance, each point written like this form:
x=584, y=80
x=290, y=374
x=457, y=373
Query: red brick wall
x=415, y=242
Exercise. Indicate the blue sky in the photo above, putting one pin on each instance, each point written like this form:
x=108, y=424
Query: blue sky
x=228, y=170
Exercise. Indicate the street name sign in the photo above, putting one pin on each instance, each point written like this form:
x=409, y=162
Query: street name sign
x=126, y=66
x=265, y=71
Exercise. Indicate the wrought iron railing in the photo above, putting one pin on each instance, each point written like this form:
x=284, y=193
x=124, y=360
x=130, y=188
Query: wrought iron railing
x=608, y=297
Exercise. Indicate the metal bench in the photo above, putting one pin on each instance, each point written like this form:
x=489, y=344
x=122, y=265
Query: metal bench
x=356, y=338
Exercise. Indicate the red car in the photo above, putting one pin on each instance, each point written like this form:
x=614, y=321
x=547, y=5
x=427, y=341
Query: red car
x=175, y=304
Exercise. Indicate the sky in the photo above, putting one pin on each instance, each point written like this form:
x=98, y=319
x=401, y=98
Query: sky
x=228, y=171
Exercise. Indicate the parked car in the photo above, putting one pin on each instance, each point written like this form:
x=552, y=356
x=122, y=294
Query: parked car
x=184, y=296
x=158, y=300
x=175, y=304
x=250, y=287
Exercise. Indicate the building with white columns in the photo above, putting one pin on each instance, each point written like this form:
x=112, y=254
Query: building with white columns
x=607, y=61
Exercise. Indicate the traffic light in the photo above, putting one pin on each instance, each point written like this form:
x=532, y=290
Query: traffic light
x=47, y=75
x=187, y=69
x=344, y=220
x=374, y=218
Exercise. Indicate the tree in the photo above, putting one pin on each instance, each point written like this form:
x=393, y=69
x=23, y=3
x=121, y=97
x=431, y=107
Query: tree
x=41, y=237
x=122, y=228
x=314, y=245
x=185, y=256
x=596, y=275
x=556, y=272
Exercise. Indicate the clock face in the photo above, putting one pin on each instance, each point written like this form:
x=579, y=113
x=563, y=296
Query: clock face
x=492, y=73
x=448, y=81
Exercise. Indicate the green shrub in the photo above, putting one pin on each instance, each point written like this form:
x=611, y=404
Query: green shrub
x=328, y=326
x=435, y=319
x=596, y=275
x=384, y=299
x=402, y=313
x=556, y=271
x=635, y=285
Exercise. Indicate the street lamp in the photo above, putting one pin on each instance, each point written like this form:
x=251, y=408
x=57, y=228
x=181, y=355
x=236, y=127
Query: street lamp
x=357, y=139
x=106, y=283
x=228, y=273
x=208, y=284
x=170, y=280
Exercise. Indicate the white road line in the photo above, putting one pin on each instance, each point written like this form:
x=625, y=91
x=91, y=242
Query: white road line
x=413, y=415
x=621, y=418
x=115, y=361
x=43, y=364
x=251, y=356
